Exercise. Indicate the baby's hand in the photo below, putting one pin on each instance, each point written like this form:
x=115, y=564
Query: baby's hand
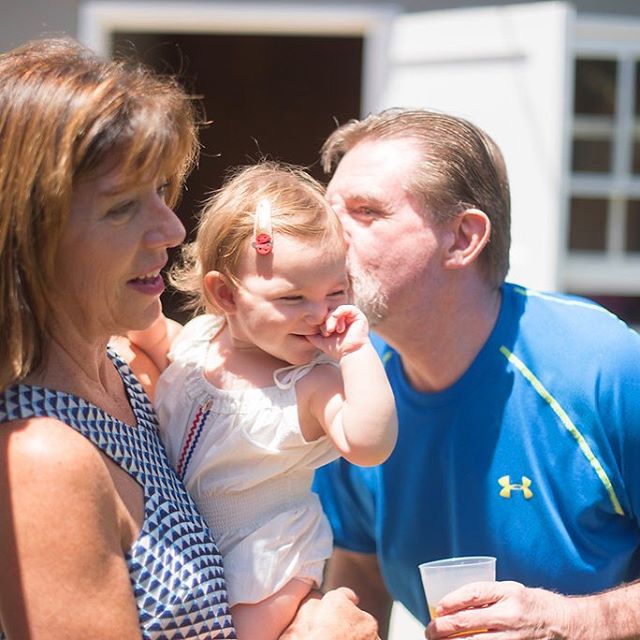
x=344, y=330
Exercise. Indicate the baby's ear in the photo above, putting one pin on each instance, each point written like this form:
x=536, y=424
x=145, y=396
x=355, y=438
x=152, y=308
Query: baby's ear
x=219, y=291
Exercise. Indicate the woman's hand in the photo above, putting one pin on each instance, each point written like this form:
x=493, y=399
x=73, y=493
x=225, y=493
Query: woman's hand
x=334, y=615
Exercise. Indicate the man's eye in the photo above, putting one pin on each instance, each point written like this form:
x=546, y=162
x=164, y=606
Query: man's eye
x=364, y=212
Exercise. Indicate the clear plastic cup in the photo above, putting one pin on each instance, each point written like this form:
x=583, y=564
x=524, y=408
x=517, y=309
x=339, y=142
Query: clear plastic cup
x=441, y=577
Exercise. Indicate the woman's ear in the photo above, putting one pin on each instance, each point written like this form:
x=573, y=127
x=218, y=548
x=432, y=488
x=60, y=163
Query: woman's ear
x=470, y=234
x=219, y=291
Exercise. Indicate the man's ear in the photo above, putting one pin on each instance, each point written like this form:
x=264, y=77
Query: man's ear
x=219, y=291
x=470, y=234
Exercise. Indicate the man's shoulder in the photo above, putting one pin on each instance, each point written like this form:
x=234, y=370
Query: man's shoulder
x=550, y=310
x=568, y=328
x=383, y=350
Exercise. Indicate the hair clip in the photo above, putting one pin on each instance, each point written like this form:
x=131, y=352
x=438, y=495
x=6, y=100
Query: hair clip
x=262, y=234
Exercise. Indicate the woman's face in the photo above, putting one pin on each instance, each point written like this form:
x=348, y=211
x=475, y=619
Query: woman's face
x=112, y=250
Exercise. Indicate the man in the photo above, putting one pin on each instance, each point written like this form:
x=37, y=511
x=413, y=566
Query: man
x=519, y=411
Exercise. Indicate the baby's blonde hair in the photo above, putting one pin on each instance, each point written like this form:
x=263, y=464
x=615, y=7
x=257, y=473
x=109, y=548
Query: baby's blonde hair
x=226, y=224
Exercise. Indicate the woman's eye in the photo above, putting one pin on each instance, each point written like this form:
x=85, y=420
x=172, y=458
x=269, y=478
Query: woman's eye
x=122, y=210
x=163, y=189
x=291, y=298
x=339, y=293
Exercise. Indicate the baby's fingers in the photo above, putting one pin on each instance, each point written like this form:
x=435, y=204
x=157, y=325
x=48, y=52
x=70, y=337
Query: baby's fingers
x=329, y=325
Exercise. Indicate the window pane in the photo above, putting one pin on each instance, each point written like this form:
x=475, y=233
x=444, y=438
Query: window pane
x=636, y=158
x=638, y=89
x=595, y=89
x=625, y=307
x=592, y=155
x=633, y=225
x=636, y=144
x=588, y=224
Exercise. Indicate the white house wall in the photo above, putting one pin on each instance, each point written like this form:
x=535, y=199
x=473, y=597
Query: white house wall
x=503, y=68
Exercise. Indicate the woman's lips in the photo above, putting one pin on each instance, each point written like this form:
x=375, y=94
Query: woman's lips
x=150, y=284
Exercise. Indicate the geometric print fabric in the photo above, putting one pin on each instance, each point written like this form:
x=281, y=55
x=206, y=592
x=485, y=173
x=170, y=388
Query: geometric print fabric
x=174, y=565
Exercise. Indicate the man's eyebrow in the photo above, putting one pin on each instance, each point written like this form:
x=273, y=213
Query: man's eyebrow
x=364, y=196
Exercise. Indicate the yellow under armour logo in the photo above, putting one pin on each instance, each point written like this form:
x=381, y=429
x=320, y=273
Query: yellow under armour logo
x=507, y=487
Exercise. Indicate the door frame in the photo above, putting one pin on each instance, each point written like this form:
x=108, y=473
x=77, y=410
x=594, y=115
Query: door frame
x=99, y=18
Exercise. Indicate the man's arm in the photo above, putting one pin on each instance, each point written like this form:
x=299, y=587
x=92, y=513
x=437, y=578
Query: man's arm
x=361, y=573
x=526, y=613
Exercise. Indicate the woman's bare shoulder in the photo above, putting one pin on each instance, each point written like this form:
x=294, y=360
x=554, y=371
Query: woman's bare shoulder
x=53, y=459
x=61, y=534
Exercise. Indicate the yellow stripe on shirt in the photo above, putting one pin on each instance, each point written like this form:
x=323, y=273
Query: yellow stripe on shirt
x=568, y=424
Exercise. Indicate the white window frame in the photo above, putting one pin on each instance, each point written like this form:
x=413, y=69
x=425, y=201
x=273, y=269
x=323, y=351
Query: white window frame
x=614, y=271
x=99, y=19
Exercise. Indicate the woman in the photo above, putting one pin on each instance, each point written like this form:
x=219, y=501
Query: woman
x=98, y=537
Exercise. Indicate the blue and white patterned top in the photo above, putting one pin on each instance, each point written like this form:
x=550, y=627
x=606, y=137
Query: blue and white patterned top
x=174, y=565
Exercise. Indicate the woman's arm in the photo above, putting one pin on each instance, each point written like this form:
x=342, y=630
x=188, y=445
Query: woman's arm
x=334, y=615
x=62, y=567
x=361, y=573
x=360, y=417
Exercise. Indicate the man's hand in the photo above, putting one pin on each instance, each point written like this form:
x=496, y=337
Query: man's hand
x=334, y=615
x=511, y=611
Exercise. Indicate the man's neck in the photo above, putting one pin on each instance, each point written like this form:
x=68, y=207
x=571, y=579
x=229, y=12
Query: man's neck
x=438, y=341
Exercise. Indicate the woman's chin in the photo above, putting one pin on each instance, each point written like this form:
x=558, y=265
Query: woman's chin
x=145, y=318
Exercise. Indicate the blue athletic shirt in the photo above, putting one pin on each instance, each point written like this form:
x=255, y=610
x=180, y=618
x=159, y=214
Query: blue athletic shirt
x=532, y=456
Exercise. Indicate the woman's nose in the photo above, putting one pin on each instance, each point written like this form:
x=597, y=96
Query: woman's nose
x=168, y=230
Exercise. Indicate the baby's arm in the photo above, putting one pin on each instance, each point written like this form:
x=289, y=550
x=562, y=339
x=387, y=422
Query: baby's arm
x=362, y=421
x=157, y=339
x=267, y=619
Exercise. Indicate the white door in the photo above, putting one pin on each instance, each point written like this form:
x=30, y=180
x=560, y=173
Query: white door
x=507, y=70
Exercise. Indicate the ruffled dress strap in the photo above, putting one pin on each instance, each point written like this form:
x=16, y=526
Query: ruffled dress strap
x=193, y=341
x=287, y=377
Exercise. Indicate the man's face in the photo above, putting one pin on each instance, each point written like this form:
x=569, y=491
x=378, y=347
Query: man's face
x=393, y=249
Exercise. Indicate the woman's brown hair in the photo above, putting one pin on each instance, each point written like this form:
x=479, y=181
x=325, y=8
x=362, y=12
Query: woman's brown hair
x=65, y=114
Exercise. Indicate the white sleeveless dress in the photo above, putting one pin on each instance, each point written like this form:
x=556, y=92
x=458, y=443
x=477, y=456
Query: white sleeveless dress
x=244, y=460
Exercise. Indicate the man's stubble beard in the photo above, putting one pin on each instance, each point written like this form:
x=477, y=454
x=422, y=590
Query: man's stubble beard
x=368, y=295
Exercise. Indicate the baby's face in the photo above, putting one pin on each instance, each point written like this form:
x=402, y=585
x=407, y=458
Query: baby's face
x=286, y=295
